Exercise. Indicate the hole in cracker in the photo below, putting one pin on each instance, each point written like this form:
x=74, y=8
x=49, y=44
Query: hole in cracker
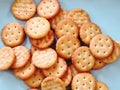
x=44, y=2
x=6, y=36
x=39, y=79
x=73, y=33
x=50, y=73
x=90, y=81
x=99, y=86
x=44, y=13
x=108, y=45
x=78, y=62
x=9, y=40
x=68, y=53
x=84, y=51
x=33, y=82
x=88, y=63
x=53, y=5
x=104, y=52
x=83, y=58
x=30, y=8
x=100, y=39
x=29, y=68
x=75, y=44
x=89, y=87
x=57, y=72
x=12, y=33
x=77, y=80
x=43, y=24
x=101, y=45
x=84, y=78
x=97, y=51
x=22, y=72
x=8, y=28
x=83, y=66
x=106, y=39
x=83, y=84
x=15, y=26
x=61, y=66
x=76, y=87
x=95, y=45
x=16, y=39
x=41, y=8
x=50, y=1
x=47, y=7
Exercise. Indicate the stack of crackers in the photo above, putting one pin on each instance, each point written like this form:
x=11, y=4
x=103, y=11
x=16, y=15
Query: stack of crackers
x=65, y=47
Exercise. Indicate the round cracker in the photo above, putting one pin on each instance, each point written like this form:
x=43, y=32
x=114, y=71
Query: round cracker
x=44, y=58
x=7, y=58
x=57, y=70
x=79, y=16
x=37, y=27
x=82, y=59
x=88, y=31
x=52, y=83
x=66, y=45
x=13, y=34
x=35, y=80
x=23, y=9
x=114, y=55
x=48, y=8
x=84, y=81
x=43, y=42
x=22, y=56
x=26, y=71
x=67, y=77
x=101, y=46
x=66, y=26
x=101, y=86
x=98, y=64
x=60, y=16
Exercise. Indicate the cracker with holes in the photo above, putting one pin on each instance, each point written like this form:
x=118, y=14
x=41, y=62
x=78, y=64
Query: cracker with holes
x=23, y=9
x=101, y=86
x=43, y=42
x=88, y=31
x=37, y=27
x=33, y=49
x=67, y=77
x=52, y=83
x=83, y=81
x=44, y=58
x=82, y=59
x=48, y=8
x=35, y=80
x=32, y=89
x=66, y=26
x=13, y=34
x=57, y=70
x=7, y=58
x=101, y=46
x=26, y=71
x=60, y=16
x=22, y=56
x=74, y=71
x=66, y=45
x=114, y=56
x=98, y=64
x=79, y=16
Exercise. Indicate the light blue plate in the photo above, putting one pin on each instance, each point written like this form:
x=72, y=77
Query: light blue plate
x=105, y=13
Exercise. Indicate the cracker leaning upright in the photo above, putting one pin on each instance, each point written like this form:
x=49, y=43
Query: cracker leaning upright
x=37, y=27
x=7, y=58
x=66, y=45
x=23, y=9
x=79, y=16
x=48, y=8
x=13, y=34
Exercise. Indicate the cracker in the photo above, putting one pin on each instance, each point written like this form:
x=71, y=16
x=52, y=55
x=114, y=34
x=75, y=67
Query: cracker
x=79, y=16
x=66, y=26
x=33, y=49
x=44, y=58
x=88, y=31
x=37, y=27
x=13, y=34
x=52, y=83
x=101, y=86
x=101, y=46
x=23, y=9
x=60, y=16
x=114, y=55
x=74, y=71
x=67, y=77
x=32, y=89
x=83, y=81
x=57, y=70
x=22, y=56
x=7, y=58
x=43, y=42
x=26, y=71
x=66, y=45
x=82, y=59
x=35, y=80
x=98, y=64
x=48, y=8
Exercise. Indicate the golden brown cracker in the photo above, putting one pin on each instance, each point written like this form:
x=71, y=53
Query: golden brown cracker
x=101, y=46
x=48, y=8
x=44, y=58
x=52, y=83
x=101, y=86
x=13, y=34
x=7, y=58
x=66, y=45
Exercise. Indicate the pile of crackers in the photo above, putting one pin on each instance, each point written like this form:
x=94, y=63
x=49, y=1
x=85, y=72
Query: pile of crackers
x=65, y=47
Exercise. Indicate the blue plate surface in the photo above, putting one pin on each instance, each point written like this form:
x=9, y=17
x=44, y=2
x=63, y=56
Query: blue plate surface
x=105, y=13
